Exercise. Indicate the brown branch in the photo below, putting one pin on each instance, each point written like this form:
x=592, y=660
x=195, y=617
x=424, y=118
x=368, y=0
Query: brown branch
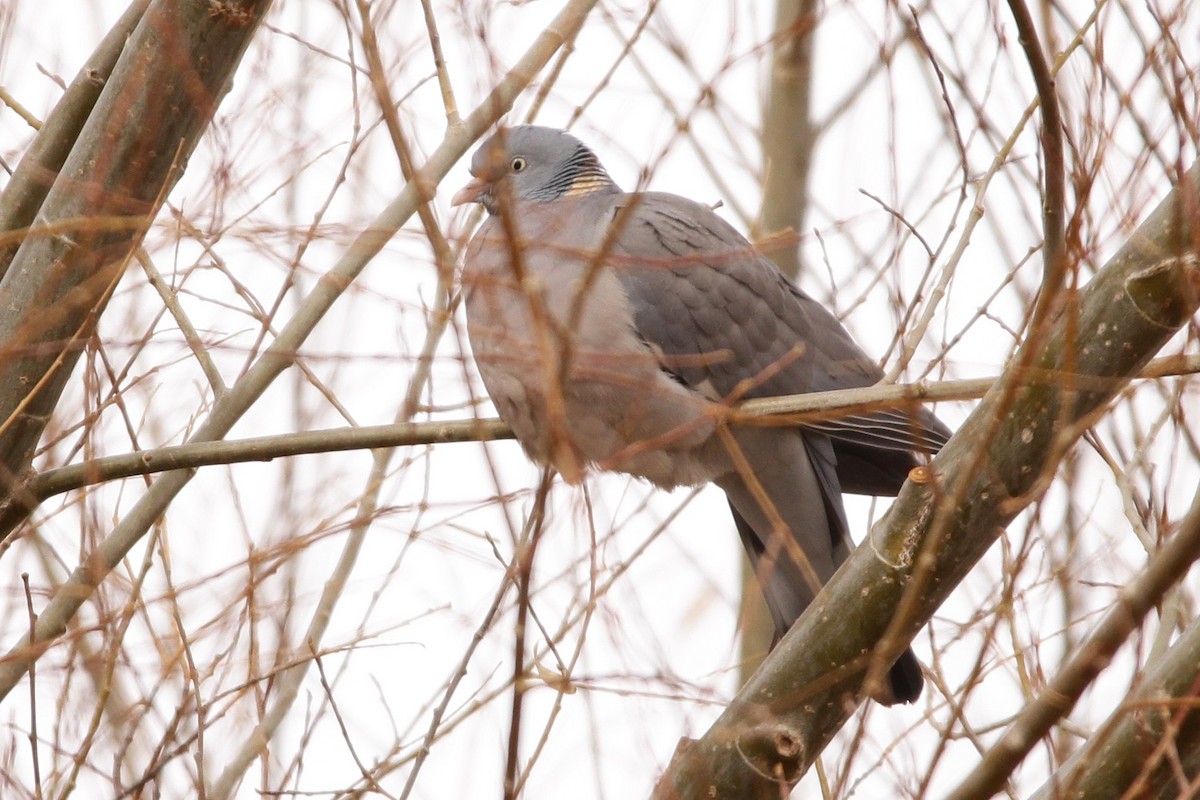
x=439, y=65
x=1125, y=756
x=171, y=74
x=387, y=106
x=1054, y=250
x=33, y=705
x=522, y=565
x=796, y=409
x=1136, y=599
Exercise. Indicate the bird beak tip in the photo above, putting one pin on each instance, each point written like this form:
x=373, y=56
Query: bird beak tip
x=471, y=193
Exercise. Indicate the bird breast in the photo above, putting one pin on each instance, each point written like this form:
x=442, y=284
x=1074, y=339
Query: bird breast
x=553, y=336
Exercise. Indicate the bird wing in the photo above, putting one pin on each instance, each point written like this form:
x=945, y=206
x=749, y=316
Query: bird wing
x=727, y=322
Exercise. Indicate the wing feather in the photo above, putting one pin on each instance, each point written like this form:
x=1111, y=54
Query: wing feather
x=689, y=275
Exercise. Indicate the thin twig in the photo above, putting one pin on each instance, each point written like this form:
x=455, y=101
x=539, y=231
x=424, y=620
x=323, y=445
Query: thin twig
x=1137, y=598
x=341, y=723
x=33, y=734
x=1054, y=251
x=523, y=567
x=383, y=95
x=190, y=335
x=794, y=409
x=563, y=685
x=439, y=64
x=917, y=333
x=439, y=712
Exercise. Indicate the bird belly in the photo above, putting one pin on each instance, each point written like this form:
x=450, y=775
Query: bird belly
x=586, y=392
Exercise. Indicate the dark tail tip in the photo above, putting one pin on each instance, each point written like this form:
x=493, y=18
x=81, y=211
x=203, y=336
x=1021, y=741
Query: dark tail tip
x=905, y=679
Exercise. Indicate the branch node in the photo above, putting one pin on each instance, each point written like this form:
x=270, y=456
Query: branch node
x=920, y=475
x=773, y=751
x=1164, y=293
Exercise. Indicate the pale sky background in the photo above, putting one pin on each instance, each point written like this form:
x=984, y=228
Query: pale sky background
x=659, y=657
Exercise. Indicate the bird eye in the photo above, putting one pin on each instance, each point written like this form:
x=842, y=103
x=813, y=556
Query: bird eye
x=519, y=163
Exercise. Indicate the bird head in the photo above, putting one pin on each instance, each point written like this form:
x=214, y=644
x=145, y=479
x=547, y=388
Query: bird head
x=532, y=163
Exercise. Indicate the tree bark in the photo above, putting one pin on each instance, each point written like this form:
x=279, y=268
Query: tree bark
x=947, y=516
x=146, y=121
x=1153, y=738
x=35, y=174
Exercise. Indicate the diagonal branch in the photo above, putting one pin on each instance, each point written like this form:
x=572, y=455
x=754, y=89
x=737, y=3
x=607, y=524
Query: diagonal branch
x=1055, y=702
x=945, y=519
x=1125, y=756
x=172, y=72
x=35, y=174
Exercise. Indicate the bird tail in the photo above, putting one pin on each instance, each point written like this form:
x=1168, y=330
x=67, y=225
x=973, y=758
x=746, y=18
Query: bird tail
x=787, y=595
x=905, y=679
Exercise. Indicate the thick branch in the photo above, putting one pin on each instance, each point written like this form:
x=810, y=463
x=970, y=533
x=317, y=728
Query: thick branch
x=33, y=177
x=159, y=99
x=1000, y=461
x=1136, y=599
x=1134, y=753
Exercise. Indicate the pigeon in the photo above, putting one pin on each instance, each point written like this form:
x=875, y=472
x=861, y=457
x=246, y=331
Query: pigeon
x=614, y=331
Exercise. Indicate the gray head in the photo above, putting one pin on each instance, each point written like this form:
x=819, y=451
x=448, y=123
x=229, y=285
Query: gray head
x=532, y=163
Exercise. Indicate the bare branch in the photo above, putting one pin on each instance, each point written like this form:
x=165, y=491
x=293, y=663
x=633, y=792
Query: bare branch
x=946, y=518
x=277, y=358
x=1136, y=599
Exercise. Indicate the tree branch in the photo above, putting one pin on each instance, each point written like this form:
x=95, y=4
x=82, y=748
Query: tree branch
x=1125, y=756
x=171, y=75
x=945, y=519
x=39, y=167
x=796, y=409
x=1037, y=718
x=1054, y=248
